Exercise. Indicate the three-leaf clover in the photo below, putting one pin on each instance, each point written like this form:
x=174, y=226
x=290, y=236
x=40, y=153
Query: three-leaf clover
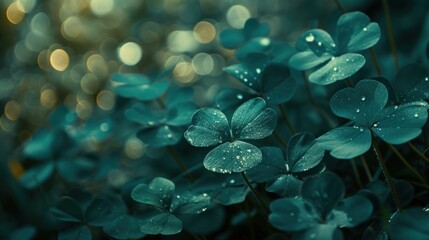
x=365, y=106
x=320, y=210
x=138, y=86
x=336, y=60
x=281, y=170
x=263, y=78
x=210, y=127
x=160, y=194
x=160, y=128
x=83, y=214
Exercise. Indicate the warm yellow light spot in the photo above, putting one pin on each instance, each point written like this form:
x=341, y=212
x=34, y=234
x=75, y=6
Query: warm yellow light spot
x=204, y=32
x=83, y=109
x=184, y=72
x=237, y=15
x=97, y=65
x=130, y=53
x=59, y=60
x=105, y=100
x=15, y=12
x=12, y=110
x=101, y=7
x=16, y=168
x=27, y=5
x=48, y=98
x=134, y=148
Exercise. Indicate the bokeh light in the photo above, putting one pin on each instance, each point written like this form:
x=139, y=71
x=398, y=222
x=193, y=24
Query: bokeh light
x=130, y=53
x=237, y=16
x=59, y=60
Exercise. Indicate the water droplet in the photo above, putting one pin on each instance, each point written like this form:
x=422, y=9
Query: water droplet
x=178, y=196
x=360, y=129
x=426, y=79
x=335, y=69
x=375, y=125
x=245, y=72
x=239, y=96
x=363, y=98
x=319, y=44
x=238, y=157
x=258, y=70
x=151, y=123
x=245, y=80
x=236, y=71
x=416, y=115
x=169, y=135
x=232, y=181
x=357, y=110
x=365, y=29
x=396, y=107
x=309, y=38
x=333, y=45
x=347, y=60
x=248, y=150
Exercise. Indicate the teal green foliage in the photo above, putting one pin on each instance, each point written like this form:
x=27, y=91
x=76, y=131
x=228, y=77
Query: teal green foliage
x=271, y=144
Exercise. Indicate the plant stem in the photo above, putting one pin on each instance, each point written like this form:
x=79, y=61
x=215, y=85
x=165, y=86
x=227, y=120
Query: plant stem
x=389, y=24
x=356, y=173
x=417, y=152
x=280, y=139
x=366, y=168
x=286, y=119
x=258, y=198
x=342, y=9
x=411, y=168
x=313, y=102
x=179, y=162
x=387, y=175
x=375, y=61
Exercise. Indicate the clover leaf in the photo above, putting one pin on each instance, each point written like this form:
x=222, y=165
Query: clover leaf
x=233, y=38
x=251, y=120
x=335, y=60
x=411, y=83
x=160, y=193
x=281, y=171
x=410, y=224
x=138, y=86
x=365, y=106
x=160, y=128
x=320, y=210
x=98, y=212
x=269, y=80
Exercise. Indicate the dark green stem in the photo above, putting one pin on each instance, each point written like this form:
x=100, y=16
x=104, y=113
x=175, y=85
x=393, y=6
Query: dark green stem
x=404, y=161
x=418, y=153
x=366, y=168
x=313, y=102
x=179, y=162
x=387, y=175
x=375, y=61
x=356, y=173
x=342, y=9
x=258, y=198
x=280, y=139
x=389, y=24
x=286, y=119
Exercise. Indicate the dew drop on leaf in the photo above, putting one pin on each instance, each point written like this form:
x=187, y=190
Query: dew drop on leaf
x=363, y=98
x=258, y=70
x=357, y=110
x=416, y=115
x=240, y=96
x=309, y=38
x=319, y=44
x=365, y=29
x=335, y=69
